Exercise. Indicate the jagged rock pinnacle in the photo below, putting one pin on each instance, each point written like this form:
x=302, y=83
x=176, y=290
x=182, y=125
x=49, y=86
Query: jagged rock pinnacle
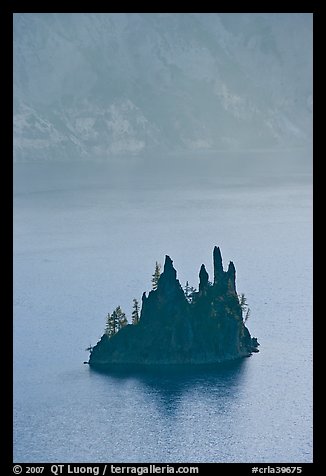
x=169, y=271
x=231, y=274
x=203, y=278
x=218, y=266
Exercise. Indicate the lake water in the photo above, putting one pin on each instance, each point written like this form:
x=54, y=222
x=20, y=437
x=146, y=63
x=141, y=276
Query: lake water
x=86, y=238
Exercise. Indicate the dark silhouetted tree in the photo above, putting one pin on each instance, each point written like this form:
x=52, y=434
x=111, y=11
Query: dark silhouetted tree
x=187, y=289
x=189, y=292
x=192, y=292
x=244, y=306
x=135, y=312
x=115, y=321
x=156, y=275
x=247, y=315
x=243, y=301
x=120, y=318
x=110, y=325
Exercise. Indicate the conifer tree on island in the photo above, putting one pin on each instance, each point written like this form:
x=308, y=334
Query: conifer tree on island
x=121, y=318
x=189, y=292
x=115, y=321
x=135, y=312
x=109, y=328
x=244, y=306
x=156, y=275
x=187, y=289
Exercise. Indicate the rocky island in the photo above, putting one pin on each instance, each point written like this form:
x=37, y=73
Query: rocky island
x=174, y=328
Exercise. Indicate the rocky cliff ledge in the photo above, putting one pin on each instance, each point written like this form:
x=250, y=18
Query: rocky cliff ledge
x=173, y=329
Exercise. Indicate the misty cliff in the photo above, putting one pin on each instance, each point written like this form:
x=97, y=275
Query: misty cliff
x=103, y=85
x=175, y=328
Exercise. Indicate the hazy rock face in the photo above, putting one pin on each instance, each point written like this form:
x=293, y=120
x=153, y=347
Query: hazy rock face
x=172, y=330
x=100, y=85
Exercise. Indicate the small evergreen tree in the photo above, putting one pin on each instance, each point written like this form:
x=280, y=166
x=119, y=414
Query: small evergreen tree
x=189, y=292
x=244, y=306
x=243, y=301
x=115, y=321
x=135, y=312
x=156, y=275
x=110, y=325
x=120, y=319
x=123, y=321
x=187, y=289
x=192, y=290
x=247, y=315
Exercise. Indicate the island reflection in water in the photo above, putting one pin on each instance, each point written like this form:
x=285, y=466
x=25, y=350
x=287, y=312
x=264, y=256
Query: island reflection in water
x=169, y=386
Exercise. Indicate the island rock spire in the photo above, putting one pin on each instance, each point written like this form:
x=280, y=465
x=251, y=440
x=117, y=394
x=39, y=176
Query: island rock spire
x=218, y=266
x=203, y=278
x=169, y=273
x=174, y=328
x=231, y=275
